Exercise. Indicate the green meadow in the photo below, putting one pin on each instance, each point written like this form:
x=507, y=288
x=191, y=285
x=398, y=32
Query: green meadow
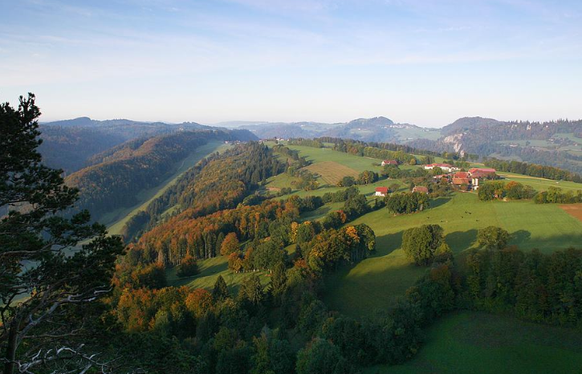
x=327, y=154
x=380, y=280
x=541, y=184
x=210, y=270
x=470, y=342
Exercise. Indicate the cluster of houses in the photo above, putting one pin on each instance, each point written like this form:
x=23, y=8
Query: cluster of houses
x=468, y=180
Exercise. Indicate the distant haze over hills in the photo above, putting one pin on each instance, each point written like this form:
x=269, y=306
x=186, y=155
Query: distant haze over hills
x=556, y=143
x=69, y=144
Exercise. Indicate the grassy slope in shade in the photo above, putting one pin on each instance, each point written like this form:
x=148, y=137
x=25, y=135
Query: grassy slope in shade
x=377, y=282
x=481, y=343
x=210, y=269
x=117, y=219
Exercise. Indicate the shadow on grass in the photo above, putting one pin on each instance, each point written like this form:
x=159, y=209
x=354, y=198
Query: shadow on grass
x=212, y=270
x=317, y=213
x=387, y=244
x=520, y=236
x=461, y=240
x=438, y=202
x=206, y=272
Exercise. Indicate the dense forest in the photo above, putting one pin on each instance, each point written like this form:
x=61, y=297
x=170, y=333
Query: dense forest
x=70, y=148
x=69, y=144
x=387, y=151
x=216, y=183
x=119, y=174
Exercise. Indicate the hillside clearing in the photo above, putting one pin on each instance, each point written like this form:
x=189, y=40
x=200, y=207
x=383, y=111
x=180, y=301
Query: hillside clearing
x=332, y=172
x=210, y=270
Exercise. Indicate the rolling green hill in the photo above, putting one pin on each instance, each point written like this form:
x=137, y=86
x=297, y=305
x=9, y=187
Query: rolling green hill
x=380, y=280
x=483, y=343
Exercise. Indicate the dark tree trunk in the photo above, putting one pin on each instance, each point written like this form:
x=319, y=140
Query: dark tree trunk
x=11, y=349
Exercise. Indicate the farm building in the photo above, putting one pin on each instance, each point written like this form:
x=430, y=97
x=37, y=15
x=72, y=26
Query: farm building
x=381, y=191
x=477, y=174
x=420, y=189
x=461, y=178
x=389, y=162
x=445, y=167
x=482, y=171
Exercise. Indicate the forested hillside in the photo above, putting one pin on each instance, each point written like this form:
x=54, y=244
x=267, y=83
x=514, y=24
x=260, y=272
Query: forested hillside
x=70, y=148
x=69, y=144
x=117, y=175
x=216, y=183
x=553, y=143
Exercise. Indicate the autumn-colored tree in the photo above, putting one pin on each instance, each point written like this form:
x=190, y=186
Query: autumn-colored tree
x=188, y=267
x=199, y=302
x=230, y=244
x=235, y=262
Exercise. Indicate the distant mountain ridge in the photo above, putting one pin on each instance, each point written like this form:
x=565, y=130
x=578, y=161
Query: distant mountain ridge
x=556, y=143
x=468, y=123
x=69, y=144
x=88, y=122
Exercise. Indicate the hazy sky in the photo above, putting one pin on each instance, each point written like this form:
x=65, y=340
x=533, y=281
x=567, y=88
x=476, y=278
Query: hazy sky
x=426, y=62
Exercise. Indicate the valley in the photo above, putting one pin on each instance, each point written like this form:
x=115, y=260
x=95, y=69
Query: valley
x=117, y=219
x=313, y=241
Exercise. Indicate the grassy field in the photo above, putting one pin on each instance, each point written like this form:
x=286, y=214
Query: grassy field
x=541, y=184
x=468, y=342
x=117, y=219
x=381, y=279
x=210, y=270
x=332, y=172
x=358, y=163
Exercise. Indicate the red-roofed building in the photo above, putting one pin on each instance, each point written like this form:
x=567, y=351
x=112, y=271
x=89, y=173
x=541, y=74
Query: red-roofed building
x=461, y=178
x=477, y=174
x=381, y=191
x=389, y=162
x=420, y=189
x=482, y=171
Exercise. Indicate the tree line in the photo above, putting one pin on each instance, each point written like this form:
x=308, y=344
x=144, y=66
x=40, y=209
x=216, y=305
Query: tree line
x=534, y=170
x=498, y=190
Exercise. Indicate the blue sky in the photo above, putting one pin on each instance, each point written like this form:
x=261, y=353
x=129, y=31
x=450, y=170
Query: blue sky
x=426, y=62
